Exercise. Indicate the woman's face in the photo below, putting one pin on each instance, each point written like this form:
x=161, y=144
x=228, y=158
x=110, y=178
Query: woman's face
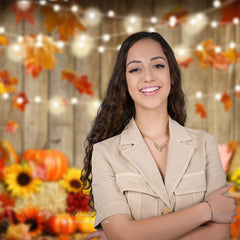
x=148, y=75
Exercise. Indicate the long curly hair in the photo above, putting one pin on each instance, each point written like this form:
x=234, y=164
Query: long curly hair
x=118, y=108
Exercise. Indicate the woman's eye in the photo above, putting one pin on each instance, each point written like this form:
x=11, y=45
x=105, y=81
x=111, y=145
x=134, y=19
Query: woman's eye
x=134, y=70
x=159, y=66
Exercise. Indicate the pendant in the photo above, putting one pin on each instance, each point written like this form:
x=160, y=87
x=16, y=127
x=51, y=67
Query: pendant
x=160, y=147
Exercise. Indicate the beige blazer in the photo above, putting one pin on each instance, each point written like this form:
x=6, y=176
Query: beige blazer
x=126, y=179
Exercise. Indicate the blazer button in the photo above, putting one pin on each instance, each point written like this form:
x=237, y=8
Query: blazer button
x=166, y=211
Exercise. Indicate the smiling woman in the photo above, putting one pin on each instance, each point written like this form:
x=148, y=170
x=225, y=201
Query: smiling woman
x=158, y=175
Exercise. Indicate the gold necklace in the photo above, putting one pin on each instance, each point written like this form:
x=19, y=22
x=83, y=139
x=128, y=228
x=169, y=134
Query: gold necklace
x=159, y=147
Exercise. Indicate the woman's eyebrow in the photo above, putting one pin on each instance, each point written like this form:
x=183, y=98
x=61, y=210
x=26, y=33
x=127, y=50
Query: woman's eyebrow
x=134, y=61
x=154, y=58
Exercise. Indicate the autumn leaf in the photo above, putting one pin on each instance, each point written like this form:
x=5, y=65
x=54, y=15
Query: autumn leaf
x=232, y=146
x=3, y=41
x=178, y=12
x=200, y=109
x=226, y=100
x=6, y=200
x=65, y=22
x=20, y=101
x=11, y=126
x=230, y=11
x=39, y=53
x=26, y=14
x=231, y=55
x=208, y=56
x=185, y=63
x=81, y=82
x=7, y=82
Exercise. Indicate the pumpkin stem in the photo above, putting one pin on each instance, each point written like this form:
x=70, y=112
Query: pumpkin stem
x=47, y=144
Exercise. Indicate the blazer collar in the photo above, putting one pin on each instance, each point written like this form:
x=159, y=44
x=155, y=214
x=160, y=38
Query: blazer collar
x=179, y=155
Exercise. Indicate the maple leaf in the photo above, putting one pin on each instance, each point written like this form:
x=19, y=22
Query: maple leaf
x=226, y=100
x=200, y=109
x=232, y=146
x=20, y=101
x=4, y=40
x=209, y=56
x=81, y=83
x=65, y=22
x=11, y=126
x=7, y=82
x=39, y=53
x=26, y=14
x=230, y=11
x=6, y=200
x=231, y=56
x=178, y=12
x=185, y=63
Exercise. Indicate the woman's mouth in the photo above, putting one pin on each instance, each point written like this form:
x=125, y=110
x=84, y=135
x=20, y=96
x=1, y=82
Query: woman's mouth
x=149, y=91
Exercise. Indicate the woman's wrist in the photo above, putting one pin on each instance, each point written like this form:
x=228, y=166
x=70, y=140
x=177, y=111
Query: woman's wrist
x=207, y=213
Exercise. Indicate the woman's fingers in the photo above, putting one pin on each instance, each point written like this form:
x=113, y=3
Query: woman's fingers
x=94, y=235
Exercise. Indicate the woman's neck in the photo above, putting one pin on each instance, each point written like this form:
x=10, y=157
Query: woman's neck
x=153, y=124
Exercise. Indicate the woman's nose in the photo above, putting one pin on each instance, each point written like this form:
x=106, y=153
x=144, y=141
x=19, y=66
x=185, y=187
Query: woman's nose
x=148, y=75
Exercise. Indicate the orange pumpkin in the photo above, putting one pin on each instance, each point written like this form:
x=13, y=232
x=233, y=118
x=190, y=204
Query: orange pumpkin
x=62, y=223
x=85, y=222
x=235, y=227
x=52, y=163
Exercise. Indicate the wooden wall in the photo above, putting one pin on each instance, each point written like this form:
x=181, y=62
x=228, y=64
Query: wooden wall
x=38, y=126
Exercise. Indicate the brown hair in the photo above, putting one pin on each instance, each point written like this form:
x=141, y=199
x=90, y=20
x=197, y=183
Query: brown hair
x=118, y=108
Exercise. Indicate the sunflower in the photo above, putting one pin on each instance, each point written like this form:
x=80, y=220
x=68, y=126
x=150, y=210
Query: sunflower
x=71, y=181
x=31, y=217
x=20, y=181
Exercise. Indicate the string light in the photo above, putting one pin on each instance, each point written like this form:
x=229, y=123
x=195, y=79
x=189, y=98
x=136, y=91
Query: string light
x=214, y=24
x=20, y=39
x=106, y=37
x=16, y=48
x=198, y=94
x=19, y=100
x=153, y=19
x=217, y=49
x=5, y=96
x=2, y=30
x=42, y=2
x=111, y=13
x=237, y=88
x=74, y=8
x=61, y=44
x=172, y=21
x=216, y=3
x=232, y=45
x=23, y=5
x=151, y=29
x=92, y=16
x=199, y=47
x=56, y=8
x=218, y=96
x=101, y=49
x=37, y=99
x=132, y=24
x=236, y=21
x=74, y=100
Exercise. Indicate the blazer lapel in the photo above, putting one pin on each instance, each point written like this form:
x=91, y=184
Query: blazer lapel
x=137, y=152
x=180, y=150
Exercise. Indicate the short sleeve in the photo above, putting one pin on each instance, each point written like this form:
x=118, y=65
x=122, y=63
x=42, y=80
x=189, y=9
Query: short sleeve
x=215, y=175
x=108, y=200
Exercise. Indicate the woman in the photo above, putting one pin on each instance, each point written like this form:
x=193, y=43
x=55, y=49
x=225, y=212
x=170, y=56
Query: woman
x=152, y=178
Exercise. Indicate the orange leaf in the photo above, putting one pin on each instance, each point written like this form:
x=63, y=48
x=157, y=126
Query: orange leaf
x=20, y=101
x=7, y=82
x=226, y=100
x=178, y=12
x=32, y=66
x=185, y=63
x=65, y=22
x=200, y=110
x=230, y=11
x=231, y=56
x=26, y=14
x=209, y=56
x=232, y=146
x=4, y=40
x=6, y=200
x=11, y=126
x=81, y=83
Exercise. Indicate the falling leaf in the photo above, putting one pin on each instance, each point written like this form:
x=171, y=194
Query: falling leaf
x=3, y=41
x=39, y=53
x=20, y=101
x=6, y=200
x=230, y=11
x=81, y=83
x=65, y=22
x=200, y=109
x=7, y=82
x=226, y=100
x=26, y=14
x=185, y=63
x=178, y=12
x=208, y=56
x=231, y=56
x=11, y=126
x=232, y=146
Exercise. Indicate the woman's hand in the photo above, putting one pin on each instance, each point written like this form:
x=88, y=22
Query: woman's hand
x=223, y=207
x=97, y=234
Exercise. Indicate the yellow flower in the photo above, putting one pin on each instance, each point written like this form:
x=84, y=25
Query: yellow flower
x=20, y=181
x=71, y=181
x=235, y=178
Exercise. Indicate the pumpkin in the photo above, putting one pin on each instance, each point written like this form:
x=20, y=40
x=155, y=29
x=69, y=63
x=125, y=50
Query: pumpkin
x=61, y=223
x=85, y=221
x=49, y=165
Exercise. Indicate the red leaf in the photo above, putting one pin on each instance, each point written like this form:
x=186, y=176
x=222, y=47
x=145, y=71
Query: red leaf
x=33, y=67
x=201, y=110
x=6, y=200
x=24, y=14
x=226, y=100
x=230, y=11
x=185, y=63
x=7, y=81
x=20, y=101
x=11, y=126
